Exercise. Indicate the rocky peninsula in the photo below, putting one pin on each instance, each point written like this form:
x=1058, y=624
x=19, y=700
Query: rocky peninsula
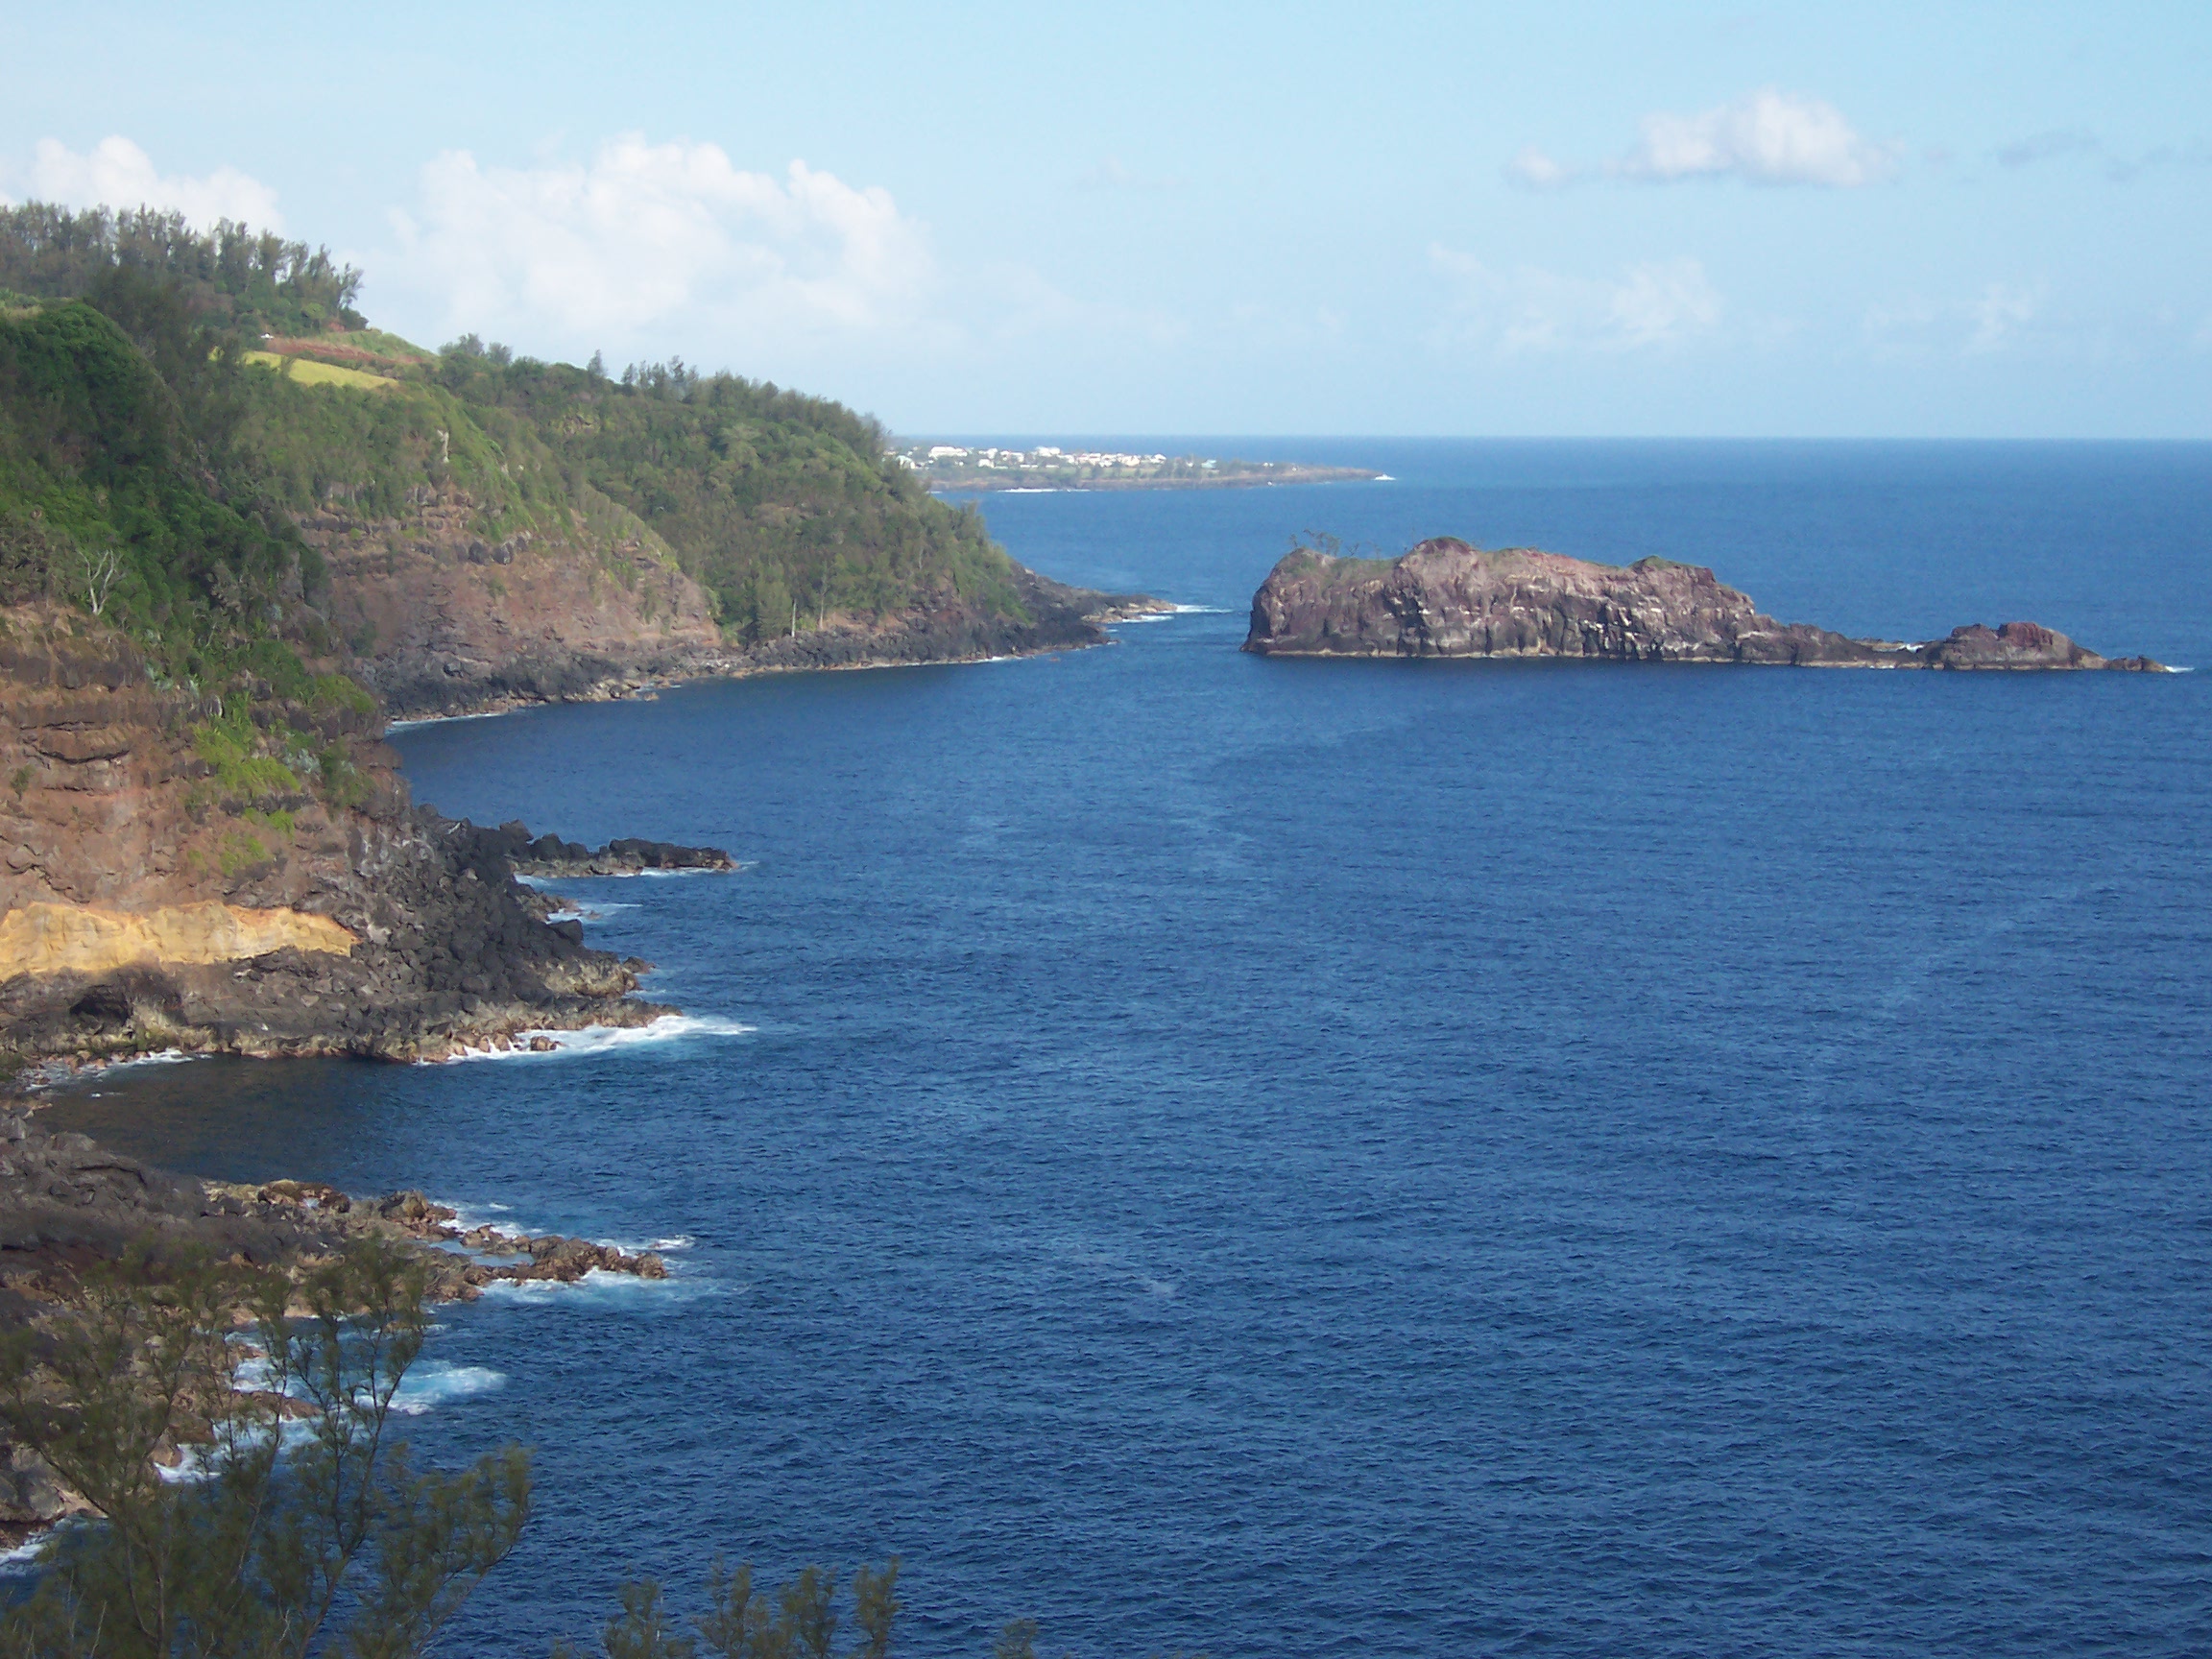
x=1447, y=598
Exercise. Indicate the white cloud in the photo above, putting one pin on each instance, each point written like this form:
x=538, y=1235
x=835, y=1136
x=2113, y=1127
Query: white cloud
x=115, y=173
x=2000, y=314
x=1769, y=138
x=1538, y=171
x=1653, y=305
x=2018, y=320
x=649, y=238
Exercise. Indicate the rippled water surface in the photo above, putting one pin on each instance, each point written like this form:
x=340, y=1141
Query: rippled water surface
x=1294, y=1158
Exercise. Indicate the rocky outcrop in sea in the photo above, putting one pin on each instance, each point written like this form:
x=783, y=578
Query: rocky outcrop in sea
x=1447, y=598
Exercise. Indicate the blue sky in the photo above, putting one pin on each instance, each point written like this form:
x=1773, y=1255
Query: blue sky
x=1873, y=220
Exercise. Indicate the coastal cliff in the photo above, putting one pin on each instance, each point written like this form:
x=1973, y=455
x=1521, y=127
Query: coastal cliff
x=440, y=620
x=483, y=532
x=1446, y=598
x=238, y=528
x=173, y=875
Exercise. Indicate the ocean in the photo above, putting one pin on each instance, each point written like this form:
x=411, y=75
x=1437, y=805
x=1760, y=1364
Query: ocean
x=1294, y=1158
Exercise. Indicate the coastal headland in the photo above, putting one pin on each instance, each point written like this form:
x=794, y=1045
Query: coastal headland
x=1447, y=598
x=240, y=529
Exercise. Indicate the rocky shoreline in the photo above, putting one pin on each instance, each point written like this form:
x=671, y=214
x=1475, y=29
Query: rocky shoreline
x=67, y=1203
x=1447, y=598
x=454, y=955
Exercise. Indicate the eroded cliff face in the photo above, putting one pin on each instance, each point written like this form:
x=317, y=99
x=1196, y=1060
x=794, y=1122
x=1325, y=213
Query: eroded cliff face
x=1446, y=598
x=154, y=896
x=442, y=621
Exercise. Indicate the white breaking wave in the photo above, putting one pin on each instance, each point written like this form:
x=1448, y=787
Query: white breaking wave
x=599, y=1287
x=1170, y=613
x=544, y=883
x=55, y=1073
x=604, y=1039
x=433, y=1383
x=468, y=1218
x=576, y=910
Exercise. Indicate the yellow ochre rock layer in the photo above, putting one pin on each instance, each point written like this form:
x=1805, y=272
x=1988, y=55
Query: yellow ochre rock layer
x=82, y=939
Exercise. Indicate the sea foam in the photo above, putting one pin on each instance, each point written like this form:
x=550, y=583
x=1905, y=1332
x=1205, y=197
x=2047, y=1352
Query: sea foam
x=446, y=719
x=433, y=1383
x=1169, y=614
x=668, y=1029
x=599, y=1288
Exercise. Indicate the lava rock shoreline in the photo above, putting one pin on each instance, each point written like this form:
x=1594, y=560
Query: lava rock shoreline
x=454, y=956
x=1447, y=598
x=67, y=1203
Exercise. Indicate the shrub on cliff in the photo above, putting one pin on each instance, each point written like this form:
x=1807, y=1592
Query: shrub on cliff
x=295, y=1521
x=798, y=1621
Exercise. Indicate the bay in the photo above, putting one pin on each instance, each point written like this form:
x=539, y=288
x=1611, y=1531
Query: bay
x=1321, y=1158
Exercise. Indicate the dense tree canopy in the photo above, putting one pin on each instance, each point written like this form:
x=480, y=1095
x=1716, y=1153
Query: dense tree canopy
x=252, y=278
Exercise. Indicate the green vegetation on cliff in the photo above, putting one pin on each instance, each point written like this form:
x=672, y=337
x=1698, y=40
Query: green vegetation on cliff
x=119, y=491
x=781, y=505
x=143, y=413
x=253, y=281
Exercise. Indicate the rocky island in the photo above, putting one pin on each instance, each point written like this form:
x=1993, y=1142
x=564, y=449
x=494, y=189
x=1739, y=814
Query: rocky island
x=1447, y=598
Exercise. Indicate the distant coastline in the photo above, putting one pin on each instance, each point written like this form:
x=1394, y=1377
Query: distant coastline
x=954, y=468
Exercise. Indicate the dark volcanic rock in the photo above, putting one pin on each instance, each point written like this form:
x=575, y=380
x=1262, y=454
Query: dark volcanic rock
x=548, y=856
x=1446, y=598
x=65, y=1202
x=452, y=954
x=2021, y=646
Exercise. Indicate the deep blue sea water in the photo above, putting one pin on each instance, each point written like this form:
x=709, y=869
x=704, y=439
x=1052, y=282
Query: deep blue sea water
x=1330, y=1158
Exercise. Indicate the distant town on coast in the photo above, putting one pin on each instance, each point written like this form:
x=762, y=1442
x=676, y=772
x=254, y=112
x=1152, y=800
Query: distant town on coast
x=953, y=467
